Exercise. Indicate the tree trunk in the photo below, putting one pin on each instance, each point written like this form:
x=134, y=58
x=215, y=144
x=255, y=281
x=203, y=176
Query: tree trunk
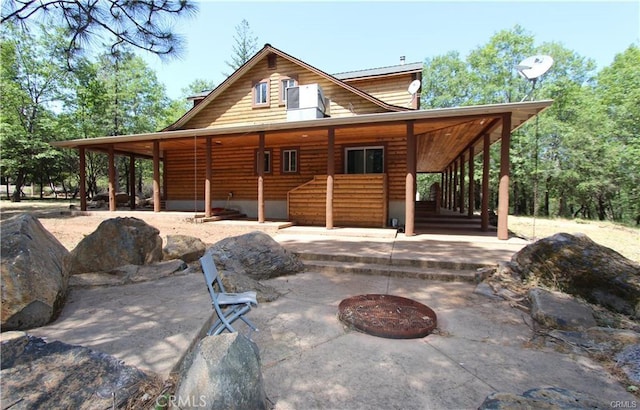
x=16, y=196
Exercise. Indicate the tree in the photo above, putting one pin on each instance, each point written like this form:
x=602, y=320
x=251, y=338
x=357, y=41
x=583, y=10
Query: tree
x=246, y=45
x=32, y=80
x=145, y=24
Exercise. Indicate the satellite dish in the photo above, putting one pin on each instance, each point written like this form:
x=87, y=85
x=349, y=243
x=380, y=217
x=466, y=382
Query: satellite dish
x=414, y=86
x=534, y=66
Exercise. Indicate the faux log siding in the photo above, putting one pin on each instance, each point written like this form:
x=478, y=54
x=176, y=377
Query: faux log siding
x=358, y=200
x=233, y=170
x=392, y=89
x=234, y=105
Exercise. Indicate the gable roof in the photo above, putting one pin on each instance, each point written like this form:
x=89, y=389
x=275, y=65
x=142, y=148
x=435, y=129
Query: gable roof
x=264, y=52
x=380, y=71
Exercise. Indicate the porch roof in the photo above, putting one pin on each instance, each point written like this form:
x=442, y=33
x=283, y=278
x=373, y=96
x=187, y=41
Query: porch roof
x=443, y=134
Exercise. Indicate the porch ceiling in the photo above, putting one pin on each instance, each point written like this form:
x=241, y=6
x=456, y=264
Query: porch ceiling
x=442, y=135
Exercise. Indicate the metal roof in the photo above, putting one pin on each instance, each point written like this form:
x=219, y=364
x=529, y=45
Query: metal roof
x=374, y=72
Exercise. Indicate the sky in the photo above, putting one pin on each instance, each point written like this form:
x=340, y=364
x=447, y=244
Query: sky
x=354, y=35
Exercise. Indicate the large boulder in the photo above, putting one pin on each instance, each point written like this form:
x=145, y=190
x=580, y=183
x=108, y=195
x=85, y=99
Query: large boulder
x=38, y=374
x=35, y=274
x=576, y=265
x=117, y=242
x=255, y=254
x=222, y=372
x=187, y=248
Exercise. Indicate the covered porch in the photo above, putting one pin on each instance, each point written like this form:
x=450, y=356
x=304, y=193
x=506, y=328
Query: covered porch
x=442, y=141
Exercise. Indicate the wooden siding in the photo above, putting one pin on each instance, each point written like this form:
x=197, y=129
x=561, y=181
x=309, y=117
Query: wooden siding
x=233, y=168
x=234, y=106
x=358, y=200
x=390, y=89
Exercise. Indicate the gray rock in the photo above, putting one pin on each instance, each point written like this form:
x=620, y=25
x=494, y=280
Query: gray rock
x=117, y=242
x=486, y=290
x=576, y=265
x=238, y=283
x=222, y=372
x=35, y=274
x=560, y=311
x=37, y=374
x=184, y=247
x=130, y=274
x=629, y=361
x=255, y=254
x=542, y=398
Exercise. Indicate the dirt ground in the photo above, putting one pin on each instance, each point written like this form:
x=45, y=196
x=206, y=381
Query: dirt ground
x=69, y=228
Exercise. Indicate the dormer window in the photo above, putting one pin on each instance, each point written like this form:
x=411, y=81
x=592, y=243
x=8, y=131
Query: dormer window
x=261, y=93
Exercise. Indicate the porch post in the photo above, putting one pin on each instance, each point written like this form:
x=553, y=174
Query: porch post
x=443, y=189
x=112, y=179
x=132, y=182
x=450, y=193
x=207, y=180
x=410, y=183
x=156, y=176
x=455, y=185
x=261, y=177
x=462, y=183
x=503, y=190
x=331, y=139
x=484, y=208
x=83, y=179
x=472, y=193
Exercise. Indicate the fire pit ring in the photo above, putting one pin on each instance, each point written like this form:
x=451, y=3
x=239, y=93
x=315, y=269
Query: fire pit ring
x=388, y=316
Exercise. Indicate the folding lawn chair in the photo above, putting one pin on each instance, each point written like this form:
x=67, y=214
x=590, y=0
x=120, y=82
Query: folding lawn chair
x=228, y=306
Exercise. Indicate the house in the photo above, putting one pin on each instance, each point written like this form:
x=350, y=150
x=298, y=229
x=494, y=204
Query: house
x=283, y=140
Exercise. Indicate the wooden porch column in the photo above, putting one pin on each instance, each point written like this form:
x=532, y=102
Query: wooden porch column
x=261, y=177
x=472, y=192
x=451, y=188
x=112, y=179
x=442, y=188
x=207, y=180
x=462, y=183
x=331, y=164
x=503, y=189
x=455, y=185
x=132, y=182
x=156, y=176
x=484, y=208
x=410, y=183
x=83, y=179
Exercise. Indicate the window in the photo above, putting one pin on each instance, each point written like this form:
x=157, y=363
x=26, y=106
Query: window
x=289, y=161
x=261, y=93
x=284, y=83
x=364, y=160
x=267, y=161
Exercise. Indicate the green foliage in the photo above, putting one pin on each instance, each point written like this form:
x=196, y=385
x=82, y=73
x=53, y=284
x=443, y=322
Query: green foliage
x=246, y=45
x=581, y=157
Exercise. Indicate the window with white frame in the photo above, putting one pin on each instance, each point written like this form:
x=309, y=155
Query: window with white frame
x=261, y=93
x=364, y=160
x=284, y=84
x=289, y=161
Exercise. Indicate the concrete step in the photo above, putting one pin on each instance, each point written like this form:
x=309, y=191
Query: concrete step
x=448, y=275
x=308, y=257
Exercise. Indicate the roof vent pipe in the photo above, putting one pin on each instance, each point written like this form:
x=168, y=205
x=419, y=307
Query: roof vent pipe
x=402, y=60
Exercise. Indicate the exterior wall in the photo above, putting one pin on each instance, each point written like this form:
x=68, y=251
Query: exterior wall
x=233, y=170
x=275, y=210
x=390, y=89
x=234, y=105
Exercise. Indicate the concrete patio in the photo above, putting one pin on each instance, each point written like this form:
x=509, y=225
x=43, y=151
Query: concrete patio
x=311, y=361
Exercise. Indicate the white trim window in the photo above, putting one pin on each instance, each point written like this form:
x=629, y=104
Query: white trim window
x=364, y=160
x=261, y=94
